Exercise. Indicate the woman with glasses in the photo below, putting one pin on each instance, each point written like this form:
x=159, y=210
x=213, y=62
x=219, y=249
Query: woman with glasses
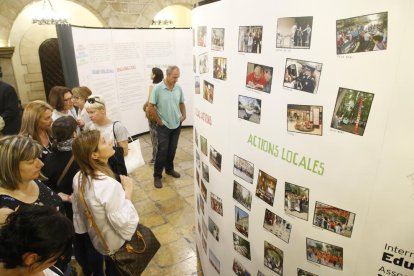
x=60, y=98
x=80, y=95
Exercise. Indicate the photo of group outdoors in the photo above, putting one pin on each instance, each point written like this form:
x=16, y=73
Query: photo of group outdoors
x=217, y=39
x=273, y=258
x=241, y=221
x=250, y=39
x=305, y=119
x=216, y=204
x=203, y=145
x=197, y=84
x=208, y=91
x=352, y=111
x=250, y=109
x=296, y=201
x=363, y=33
x=266, y=187
x=203, y=190
x=239, y=269
x=203, y=62
x=302, y=75
x=214, y=261
x=204, y=241
x=259, y=77
x=204, y=172
x=243, y=169
x=302, y=272
x=242, y=246
x=324, y=254
x=220, y=68
x=242, y=195
x=277, y=226
x=213, y=228
x=215, y=158
x=333, y=219
x=294, y=32
x=201, y=203
x=202, y=36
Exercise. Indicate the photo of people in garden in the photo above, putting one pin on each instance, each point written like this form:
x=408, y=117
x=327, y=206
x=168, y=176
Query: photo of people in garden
x=324, y=254
x=294, y=32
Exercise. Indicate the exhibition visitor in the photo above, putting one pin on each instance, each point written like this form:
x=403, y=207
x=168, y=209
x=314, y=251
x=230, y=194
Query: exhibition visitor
x=9, y=110
x=60, y=98
x=80, y=95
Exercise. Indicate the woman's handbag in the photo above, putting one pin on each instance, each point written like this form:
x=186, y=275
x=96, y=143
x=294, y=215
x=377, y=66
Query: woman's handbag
x=134, y=256
x=134, y=158
x=117, y=161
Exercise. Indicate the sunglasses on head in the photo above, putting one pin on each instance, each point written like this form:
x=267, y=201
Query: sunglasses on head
x=94, y=100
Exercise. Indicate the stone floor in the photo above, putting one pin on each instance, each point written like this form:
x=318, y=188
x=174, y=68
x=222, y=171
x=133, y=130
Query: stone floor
x=169, y=211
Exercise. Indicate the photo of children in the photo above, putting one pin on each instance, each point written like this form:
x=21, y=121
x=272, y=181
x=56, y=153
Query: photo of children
x=220, y=68
x=203, y=190
x=201, y=36
x=294, y=32
x=296, y=201
x=302, y=75
x=203, y=145
x=259, y=77
x=239, y=269
x=250, y=39
x=302, y=272
x=362, y=33
x=324, y=254
x=241, y=221
x=205, y=173
x=215, y=158
x=273, y=258
x=217, y=39
x=242, y=246
x=305, y=119
x=352, y=111
x=333, y=219
x=214, y=261
x=197, y=84
x=208, y=91
x=250, y=109
x=213, y=228
x=242, y=195
x=243, y=169
x=266, y=187
x=277, y=226
x=216, y=204
x=203, y=63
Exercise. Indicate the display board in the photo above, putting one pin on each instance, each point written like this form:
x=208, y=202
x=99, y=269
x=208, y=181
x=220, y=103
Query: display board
x=117, y=63
x=303, y=137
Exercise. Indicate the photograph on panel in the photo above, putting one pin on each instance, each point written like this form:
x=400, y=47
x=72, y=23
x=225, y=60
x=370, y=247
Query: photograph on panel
x=241, y=221
x=259, y=77
x=197, y=84
x=198, y=159
x=201, y=203
x=204, y=242
x=198, y=178
x=203, y=145
x=208, y=91
x=204, y=227
x=294, y=32
x=277, y=226
x=243, y=169
x=302, y=75
x=194, y=64
x=302, y=272
x=205, y=173
x=352, y=111
x=273, y=258
x=202, y=36
x=266, y=187
x=306, y=119
x=216, y=204
x=324, y=254
x=242, y=246
x=203, y=190
x=196, y=136
x=333, y=219
x=363, y=33
x=239, y=269
x=242, y=195
x=213, y=228
x=203, y=63
x=217, y=39
x=214, y=261
x=215, y=158
x=220, y=68
x=250, y=39
x=296, y=201
x=250, y=109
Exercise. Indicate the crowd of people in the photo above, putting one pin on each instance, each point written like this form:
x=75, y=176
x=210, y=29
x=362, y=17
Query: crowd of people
x=361, y=38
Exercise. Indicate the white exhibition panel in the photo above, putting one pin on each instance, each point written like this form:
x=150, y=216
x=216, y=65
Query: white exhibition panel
x=117, y=63
x=369, y=176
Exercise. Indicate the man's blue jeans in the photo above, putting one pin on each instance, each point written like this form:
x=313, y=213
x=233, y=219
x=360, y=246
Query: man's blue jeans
x=167, y=146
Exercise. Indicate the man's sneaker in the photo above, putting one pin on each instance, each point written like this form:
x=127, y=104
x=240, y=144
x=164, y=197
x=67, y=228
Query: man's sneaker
x=173, y=173
x=157, y=182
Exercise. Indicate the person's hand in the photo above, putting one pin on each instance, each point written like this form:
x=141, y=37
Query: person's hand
x=127, y=183
x=65, y=197
x=80, y=122
x=160, y=123
x=182, y=118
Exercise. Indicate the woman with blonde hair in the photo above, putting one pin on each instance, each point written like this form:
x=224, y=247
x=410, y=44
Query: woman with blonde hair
x=80, y=95
x=108, y=200
x=36, y=123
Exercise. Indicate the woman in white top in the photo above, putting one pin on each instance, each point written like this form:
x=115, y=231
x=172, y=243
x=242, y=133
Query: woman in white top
x=80, y=94
x=60, y=98
x=108, y=200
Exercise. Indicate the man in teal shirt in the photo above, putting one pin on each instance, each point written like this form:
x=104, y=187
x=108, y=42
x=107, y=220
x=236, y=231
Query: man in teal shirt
x=167, y=106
